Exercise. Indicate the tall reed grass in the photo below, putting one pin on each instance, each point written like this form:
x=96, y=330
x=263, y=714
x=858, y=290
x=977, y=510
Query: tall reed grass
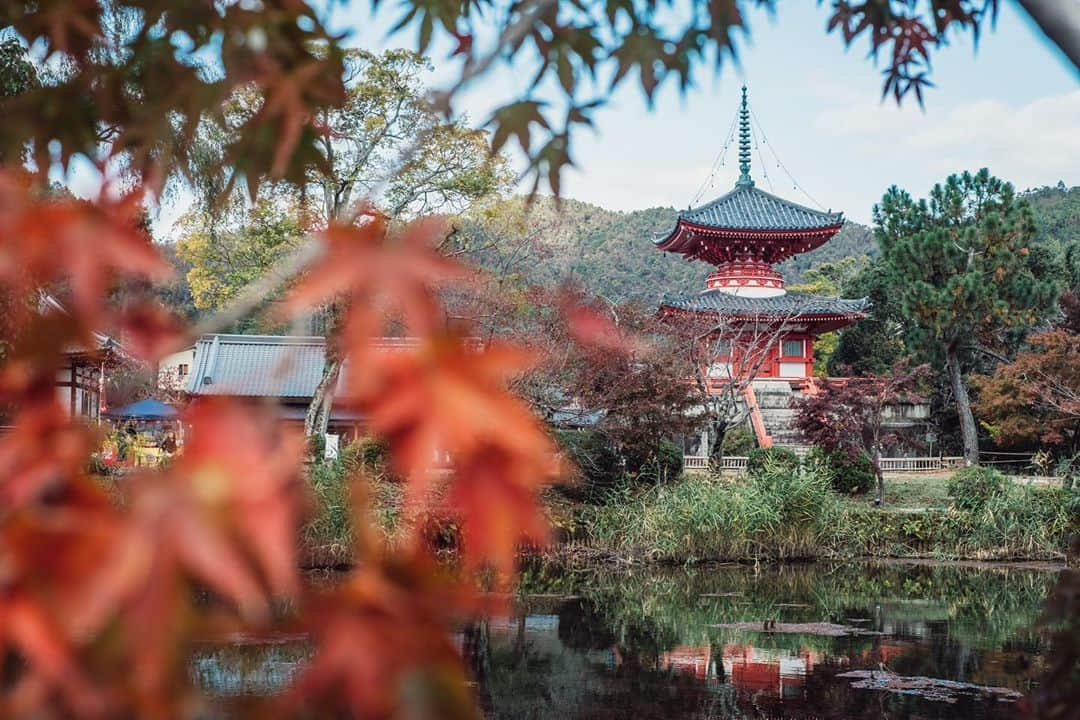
x=787, y=514
x=776, y=514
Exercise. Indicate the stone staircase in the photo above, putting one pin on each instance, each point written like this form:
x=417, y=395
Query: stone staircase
x=774, y=400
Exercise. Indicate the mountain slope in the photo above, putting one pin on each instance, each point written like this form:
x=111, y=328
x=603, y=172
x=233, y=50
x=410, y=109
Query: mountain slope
x=612, y=253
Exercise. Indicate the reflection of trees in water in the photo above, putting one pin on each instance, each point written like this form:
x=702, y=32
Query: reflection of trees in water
x=607, y=656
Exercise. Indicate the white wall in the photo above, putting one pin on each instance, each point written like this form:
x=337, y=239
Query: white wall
x=169, y=368
x=792, y=369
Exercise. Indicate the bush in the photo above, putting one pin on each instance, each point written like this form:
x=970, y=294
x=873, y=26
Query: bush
x=738, y=441
x=973, y=487
x=665, y=465
x=598, y=465
x=846, y=476
x=329, y=532
x=773, y=459
x=367, y=454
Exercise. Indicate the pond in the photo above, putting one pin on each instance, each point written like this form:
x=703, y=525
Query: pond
x=806, y=641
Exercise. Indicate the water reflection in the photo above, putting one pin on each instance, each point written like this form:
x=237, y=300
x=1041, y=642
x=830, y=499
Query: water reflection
x=649, y=644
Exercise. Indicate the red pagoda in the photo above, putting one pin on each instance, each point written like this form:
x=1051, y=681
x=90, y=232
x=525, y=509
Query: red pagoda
x=744, y=234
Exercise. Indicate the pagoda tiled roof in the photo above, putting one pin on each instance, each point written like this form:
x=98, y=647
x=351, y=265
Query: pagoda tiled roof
x=788, y=305
x=749, y=208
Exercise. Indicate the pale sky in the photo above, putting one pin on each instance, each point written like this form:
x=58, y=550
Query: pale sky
x=1012, y=106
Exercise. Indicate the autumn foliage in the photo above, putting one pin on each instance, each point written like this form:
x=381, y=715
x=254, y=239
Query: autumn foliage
x=101, y=601
x=1036, y=396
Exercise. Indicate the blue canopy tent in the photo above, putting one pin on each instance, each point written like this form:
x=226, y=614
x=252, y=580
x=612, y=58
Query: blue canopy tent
x=148, y=410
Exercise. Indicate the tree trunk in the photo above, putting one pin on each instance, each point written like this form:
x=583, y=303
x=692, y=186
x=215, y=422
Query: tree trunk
x=317, y=417
x=963, y=409
x=875, y=460
x=715, y=451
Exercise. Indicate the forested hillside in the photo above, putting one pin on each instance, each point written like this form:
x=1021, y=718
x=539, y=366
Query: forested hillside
x=612, y=254
x=1057, y=215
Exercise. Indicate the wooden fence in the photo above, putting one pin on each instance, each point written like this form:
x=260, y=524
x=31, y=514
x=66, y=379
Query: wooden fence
x=921, y=464
x=889, y=465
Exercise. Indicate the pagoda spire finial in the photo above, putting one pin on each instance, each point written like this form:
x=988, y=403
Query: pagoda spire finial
x=744, y=144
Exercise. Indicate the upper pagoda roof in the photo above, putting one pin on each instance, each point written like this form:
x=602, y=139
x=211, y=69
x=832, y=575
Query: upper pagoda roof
x=749, y=223
x=749, y=208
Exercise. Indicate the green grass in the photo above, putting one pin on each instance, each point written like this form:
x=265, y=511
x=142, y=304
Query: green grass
x=916, y=491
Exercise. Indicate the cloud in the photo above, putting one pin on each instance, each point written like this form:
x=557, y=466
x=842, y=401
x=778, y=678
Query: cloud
x=1030, y=145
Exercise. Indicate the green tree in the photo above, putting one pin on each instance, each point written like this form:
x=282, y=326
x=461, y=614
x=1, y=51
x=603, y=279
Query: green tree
x=872, y=345
x=17, y=73
x=828, y=279
x=225, y=260
x=384, y=144
x=961, y=268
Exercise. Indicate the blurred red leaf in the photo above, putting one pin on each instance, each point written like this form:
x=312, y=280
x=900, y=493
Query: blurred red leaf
x=150, y=331
x=385, y=649
x=87, y=245
x=241, y=467
x=380, y=273
x=42, y=449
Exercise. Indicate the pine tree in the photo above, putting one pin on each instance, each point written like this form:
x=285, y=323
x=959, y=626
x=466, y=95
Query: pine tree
x=961, y=267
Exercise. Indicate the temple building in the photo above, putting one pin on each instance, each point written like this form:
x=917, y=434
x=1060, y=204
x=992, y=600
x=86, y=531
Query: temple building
x=763, y=335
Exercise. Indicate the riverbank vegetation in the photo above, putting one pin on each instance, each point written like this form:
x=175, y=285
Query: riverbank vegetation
x=785, y=514
x=782, y=510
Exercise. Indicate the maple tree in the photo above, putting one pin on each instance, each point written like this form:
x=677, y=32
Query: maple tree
x=615, y=369
x=96, y=597
x=98, y=606
x=1036, y=396
x=848, y=415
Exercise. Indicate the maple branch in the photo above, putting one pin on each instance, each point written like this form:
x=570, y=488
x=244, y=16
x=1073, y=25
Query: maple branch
x=509, y=38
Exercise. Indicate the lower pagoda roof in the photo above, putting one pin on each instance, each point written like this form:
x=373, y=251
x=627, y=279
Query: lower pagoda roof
x=795, y=306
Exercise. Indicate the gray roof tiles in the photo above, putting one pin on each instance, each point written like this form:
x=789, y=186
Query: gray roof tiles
x=787, y=305
x=748, y=208
x=278, y=366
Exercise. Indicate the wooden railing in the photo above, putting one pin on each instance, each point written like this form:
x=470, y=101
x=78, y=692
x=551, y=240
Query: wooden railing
x=889, y=465
x=695, y=462
x=921, y=464
x=700, y=462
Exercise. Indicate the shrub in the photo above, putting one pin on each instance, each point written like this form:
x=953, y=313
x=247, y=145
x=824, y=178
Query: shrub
x=771, y=460
x=846, y=476
x=368, y=454
x=329, y=531
x=973, y=487
x=739, y=440
x=598, y=465
x=666, y=464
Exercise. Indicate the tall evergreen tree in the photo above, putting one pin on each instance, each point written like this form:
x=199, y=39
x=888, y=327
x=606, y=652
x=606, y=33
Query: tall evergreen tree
x=870, y=346
x=961, y=267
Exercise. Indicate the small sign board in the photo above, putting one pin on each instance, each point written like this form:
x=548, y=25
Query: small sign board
x=331, y=451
